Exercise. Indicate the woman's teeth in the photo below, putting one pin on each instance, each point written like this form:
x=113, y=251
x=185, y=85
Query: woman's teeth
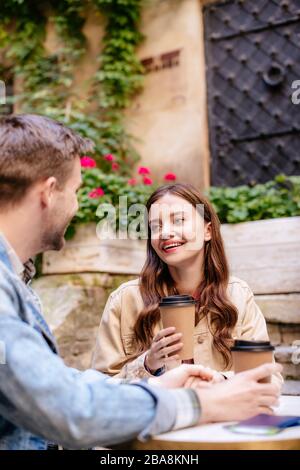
x=171, y=245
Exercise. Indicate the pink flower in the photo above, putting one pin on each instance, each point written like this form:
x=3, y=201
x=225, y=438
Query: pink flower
x=170, y=177
x=88, y=162
x=147, y=180
x=97, y=192
x=132, y=181
x=143, y=170
x=109, y=157
x=115, y=166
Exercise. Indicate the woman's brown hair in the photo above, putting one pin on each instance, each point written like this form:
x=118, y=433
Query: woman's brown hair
x=156, y=281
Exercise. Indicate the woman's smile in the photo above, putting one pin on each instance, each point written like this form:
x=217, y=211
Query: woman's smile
x=171, y=246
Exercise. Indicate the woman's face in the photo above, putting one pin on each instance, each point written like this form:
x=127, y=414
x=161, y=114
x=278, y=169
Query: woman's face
x=177, y=229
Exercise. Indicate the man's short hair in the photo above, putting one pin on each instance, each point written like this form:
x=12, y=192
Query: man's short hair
x=34, y=148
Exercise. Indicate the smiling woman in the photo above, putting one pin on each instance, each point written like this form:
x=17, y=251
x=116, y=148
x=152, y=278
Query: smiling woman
x=185, y=255
x=177, y=226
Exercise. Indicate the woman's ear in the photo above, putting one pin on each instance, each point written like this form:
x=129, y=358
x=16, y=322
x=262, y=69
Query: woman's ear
x=207, y=232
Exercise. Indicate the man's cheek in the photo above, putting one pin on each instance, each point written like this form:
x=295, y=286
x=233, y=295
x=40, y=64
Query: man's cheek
x=75, y=205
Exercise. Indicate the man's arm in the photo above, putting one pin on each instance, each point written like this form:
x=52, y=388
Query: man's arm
x=76, y=409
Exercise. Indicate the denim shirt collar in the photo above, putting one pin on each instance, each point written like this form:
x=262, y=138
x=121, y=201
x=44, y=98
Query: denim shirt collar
x=10, y=258
x=6, y=260
x=4, y=256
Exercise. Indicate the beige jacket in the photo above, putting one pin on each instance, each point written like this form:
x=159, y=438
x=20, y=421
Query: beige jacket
x=114, y=342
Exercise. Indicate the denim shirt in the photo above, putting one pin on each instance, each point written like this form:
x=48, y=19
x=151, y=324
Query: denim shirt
x=42, y=400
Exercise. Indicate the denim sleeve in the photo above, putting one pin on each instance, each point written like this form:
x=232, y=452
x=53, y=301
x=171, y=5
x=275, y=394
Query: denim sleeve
x=76, y=409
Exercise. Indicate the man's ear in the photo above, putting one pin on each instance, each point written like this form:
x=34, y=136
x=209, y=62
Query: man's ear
x=47, y=190
x=207, y=231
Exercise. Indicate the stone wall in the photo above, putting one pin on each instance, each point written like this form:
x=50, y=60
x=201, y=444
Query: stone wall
x=73, y=305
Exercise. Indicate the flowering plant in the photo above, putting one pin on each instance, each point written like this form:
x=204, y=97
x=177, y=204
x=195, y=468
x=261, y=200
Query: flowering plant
x=277, y=198
x=107, y=188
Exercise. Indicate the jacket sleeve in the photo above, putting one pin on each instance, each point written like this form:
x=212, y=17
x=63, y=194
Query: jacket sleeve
x=76, y=409
x=109, y=355
x=253, y=326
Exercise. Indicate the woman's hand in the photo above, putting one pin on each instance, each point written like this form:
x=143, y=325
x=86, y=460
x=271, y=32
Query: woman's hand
x=165, y=342
x=181, y=376
x=198, y=382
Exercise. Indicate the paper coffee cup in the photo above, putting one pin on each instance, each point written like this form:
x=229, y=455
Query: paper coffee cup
x=250, y=354
x=179, y=311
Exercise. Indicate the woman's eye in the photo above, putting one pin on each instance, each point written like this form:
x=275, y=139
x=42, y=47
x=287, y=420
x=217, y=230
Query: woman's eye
x=154, y=227
x=179, y=220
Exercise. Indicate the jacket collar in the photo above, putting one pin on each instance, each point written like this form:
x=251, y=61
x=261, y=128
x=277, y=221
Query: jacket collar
x=9, y=257
x=4, y=256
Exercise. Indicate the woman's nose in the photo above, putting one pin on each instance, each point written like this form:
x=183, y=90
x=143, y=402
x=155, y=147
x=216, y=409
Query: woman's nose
x=167, y=232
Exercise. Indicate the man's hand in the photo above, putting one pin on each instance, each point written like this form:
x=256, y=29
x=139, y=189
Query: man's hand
x=185, y=376
x=241, y=396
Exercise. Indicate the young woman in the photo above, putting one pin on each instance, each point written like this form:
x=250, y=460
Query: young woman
x=185, y=255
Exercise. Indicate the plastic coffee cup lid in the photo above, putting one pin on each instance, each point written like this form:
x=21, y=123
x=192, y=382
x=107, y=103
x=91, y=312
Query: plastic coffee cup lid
x=242, y=345
x=177, y=301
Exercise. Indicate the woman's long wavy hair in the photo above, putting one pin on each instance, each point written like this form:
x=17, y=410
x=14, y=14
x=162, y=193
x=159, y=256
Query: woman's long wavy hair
x=213, y=302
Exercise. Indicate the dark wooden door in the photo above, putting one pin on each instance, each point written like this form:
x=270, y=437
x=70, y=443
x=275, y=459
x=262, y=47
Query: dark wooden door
x=253, y=58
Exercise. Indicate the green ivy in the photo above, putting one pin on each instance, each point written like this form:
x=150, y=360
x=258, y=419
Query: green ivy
x=121, y=73
x=48, y=78
x=277, y=198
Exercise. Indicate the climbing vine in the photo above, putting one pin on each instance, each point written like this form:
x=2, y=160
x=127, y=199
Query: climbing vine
x=45, y=80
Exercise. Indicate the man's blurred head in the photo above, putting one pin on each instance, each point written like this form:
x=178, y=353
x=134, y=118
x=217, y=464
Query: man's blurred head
x=40, y=174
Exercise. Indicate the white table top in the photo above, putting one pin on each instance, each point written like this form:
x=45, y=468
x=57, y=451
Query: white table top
x=216, y=436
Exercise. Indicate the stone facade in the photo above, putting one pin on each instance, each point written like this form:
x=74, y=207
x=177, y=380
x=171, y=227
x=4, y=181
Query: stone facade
x=73, y=305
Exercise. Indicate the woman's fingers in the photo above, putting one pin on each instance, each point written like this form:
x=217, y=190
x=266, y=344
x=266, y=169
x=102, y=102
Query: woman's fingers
x=164, y=332
x=170, y=349
x=218, y=378
x=168, y=340
x=196, y=382
x=166, y=360
x=189, y=382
